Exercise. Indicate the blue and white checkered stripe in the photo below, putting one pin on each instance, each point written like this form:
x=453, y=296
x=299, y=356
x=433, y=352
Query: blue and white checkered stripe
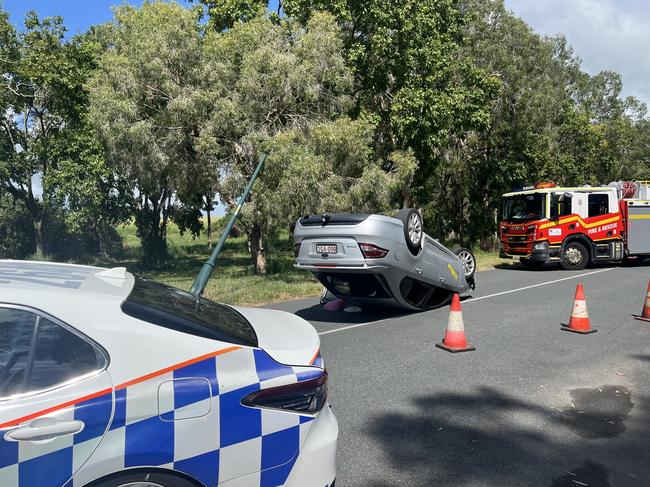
x=190, y=420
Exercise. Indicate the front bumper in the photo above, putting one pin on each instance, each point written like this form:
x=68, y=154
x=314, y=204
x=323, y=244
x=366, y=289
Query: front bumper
x=540, y=253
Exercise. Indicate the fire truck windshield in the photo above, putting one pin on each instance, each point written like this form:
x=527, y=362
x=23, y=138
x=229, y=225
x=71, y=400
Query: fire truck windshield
x=523, y=207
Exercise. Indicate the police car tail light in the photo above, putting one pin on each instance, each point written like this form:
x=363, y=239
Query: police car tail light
x=296, y=250
x=371, y=251
x=307, y=396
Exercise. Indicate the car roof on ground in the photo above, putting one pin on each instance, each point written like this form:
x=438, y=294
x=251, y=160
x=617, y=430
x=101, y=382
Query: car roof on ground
x=69, y=279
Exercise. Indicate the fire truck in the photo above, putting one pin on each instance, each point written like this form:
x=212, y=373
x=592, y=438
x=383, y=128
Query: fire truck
x=576, y=226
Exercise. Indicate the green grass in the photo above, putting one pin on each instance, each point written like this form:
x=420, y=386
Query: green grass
x=234, y=280
x=487, y=260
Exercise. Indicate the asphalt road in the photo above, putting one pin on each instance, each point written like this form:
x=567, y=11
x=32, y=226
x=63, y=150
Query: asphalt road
x=532, y=406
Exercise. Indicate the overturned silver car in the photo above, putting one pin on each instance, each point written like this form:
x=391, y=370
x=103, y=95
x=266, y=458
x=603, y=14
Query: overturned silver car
x=376, y=259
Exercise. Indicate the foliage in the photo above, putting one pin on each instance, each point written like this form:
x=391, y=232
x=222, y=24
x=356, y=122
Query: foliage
x=43, y=106
x=363, y=105
x=224, y=14
x=409, y=75
x=16, y=230
x=275, y=86
x=148, y=111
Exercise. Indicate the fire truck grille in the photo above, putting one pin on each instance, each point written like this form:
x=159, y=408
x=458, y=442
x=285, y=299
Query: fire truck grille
x=517, y=238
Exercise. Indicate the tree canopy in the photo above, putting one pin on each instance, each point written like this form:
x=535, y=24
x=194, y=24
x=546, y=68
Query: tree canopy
x=363, y=105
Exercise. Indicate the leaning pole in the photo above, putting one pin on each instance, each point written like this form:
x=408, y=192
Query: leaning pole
x=198, y=286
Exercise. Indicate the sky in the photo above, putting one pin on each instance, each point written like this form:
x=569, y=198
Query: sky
x=605, y=34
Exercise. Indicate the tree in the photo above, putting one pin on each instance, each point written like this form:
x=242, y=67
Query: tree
x=328, y=167
x=43, y=105
x=94, y=197
x=224, y=14
x=263, y=79
x=409, y=76
x=147, y=108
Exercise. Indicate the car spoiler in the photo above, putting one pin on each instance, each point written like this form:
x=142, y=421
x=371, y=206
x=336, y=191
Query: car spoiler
x=332, y=219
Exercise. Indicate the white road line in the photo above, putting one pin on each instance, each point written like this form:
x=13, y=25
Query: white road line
x=538, y=285
x=470, y=300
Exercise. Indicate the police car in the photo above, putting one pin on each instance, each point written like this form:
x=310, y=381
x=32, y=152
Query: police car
x=110, y=380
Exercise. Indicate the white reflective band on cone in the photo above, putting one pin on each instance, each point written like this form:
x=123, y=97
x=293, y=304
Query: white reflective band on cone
x=455, y=321
x=580, y=309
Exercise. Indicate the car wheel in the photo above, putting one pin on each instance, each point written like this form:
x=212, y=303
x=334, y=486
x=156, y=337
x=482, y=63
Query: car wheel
x=468, y=260
x=143, y=479
x=574, y=256
x=413, y=233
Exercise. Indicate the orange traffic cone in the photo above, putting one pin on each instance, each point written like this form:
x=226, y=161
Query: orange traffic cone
x=579, y=321
x=645, y=314
x=455, y=339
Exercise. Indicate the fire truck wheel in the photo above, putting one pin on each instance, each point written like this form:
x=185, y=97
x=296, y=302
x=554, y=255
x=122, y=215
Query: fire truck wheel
x=574, y=256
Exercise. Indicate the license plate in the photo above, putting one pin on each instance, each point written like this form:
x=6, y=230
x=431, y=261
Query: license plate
x=326, y=249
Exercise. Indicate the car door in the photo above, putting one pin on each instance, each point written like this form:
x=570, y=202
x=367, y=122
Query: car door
x=56, y=398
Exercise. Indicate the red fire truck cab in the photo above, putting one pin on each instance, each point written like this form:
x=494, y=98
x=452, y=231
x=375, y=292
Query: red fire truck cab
x=576, y=226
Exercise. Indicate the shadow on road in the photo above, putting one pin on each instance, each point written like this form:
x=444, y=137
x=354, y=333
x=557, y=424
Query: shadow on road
x=488, y=438
x=641, y=356
x=318, y=313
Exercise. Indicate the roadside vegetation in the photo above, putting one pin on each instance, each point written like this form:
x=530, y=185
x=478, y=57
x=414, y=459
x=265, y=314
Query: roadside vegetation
x=234, y=280
x=114, y=141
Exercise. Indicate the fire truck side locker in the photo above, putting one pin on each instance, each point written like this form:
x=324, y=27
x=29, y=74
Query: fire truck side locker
x=638, y=227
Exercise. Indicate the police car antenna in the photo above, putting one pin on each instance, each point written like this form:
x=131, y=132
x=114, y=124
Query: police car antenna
x=198, y=286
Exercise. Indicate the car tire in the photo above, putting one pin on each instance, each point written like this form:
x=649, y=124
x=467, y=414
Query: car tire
x=143, y=479
x=413, y=232
x=468, y=259
x=574, y=256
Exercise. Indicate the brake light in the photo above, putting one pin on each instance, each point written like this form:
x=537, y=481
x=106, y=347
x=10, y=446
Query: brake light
x=308, y=396
x=296, y=250
x=371, y=251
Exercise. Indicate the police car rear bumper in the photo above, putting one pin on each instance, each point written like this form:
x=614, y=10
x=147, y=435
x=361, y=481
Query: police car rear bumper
x=316, y=463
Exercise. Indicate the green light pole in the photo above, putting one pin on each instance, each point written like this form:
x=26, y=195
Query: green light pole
x=198, y=286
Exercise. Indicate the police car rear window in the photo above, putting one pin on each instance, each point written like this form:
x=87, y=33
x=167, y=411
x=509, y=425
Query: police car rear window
x=178, y=310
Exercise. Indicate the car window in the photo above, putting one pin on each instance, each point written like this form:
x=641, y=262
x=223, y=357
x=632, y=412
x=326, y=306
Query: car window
x=561, y=205
x=598, y=204
x=61, y=356
x=37, y=353
x=16, y=332
x=179, y=310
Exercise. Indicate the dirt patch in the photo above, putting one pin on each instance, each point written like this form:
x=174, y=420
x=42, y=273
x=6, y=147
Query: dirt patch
x=599, y=412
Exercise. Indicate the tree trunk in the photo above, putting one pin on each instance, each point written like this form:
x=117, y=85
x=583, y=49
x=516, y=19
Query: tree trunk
x=209, y=231
x=38, y=234
x=151, y=230
x=101, y=243
x=258, y=252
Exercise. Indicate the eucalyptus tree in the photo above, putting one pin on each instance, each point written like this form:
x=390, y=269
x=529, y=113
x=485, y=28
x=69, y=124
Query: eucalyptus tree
x=264, y=78
x=149, y=113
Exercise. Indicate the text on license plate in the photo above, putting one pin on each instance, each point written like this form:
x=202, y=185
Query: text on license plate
x=326, y=248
